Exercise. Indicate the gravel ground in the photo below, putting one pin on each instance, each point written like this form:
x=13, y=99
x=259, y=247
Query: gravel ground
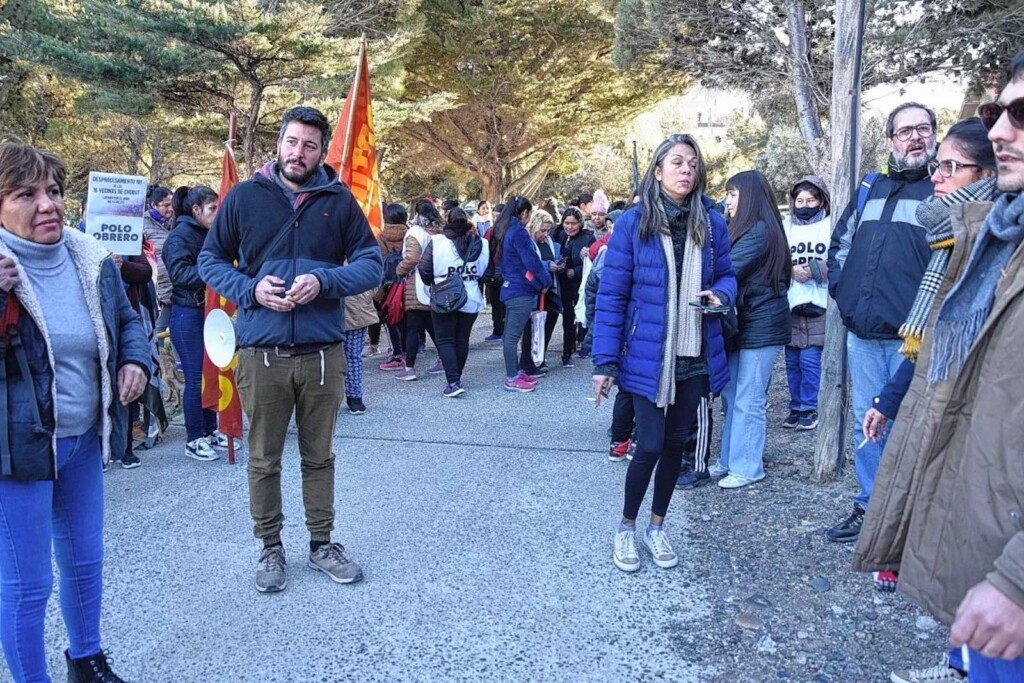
x=484, y=527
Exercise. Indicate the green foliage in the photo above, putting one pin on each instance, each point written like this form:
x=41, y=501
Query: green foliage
x=527, y=78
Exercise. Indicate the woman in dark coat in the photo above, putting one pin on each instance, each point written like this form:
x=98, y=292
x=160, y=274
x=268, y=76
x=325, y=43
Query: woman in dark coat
x=760, y=255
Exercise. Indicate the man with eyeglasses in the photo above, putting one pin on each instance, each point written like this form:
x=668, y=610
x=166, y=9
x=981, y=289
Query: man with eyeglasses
x=877, y=258
x=949, y=511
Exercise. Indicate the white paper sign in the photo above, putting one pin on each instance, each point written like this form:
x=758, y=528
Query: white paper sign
x=114, y=211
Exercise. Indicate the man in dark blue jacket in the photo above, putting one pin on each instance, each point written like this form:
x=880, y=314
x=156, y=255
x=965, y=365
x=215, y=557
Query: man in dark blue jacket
x=302, y=244
x=877, y=258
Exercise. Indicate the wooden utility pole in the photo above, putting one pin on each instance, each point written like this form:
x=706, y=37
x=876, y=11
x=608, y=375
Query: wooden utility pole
x=833, y=402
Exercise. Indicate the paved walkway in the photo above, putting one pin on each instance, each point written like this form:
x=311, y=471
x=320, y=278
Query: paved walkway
x=483, y=526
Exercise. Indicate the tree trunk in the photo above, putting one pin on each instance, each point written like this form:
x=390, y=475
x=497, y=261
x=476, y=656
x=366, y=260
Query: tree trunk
x=251, y=122
x=801, y=78
x=833, y=402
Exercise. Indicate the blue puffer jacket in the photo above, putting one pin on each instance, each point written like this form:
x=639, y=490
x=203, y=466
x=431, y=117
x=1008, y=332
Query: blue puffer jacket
x=629, y=326
x=323, y=233
x=525, y=274
x=124, y=342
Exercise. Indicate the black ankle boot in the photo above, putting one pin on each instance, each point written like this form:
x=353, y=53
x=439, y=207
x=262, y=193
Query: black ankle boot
x=94, y=669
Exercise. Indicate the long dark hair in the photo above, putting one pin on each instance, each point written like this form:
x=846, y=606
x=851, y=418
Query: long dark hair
x=200, y=195
x=426, y=209
x=757, y=204
x=575, y=213
x=515, y=205
x=653, y=219
x=971, y=137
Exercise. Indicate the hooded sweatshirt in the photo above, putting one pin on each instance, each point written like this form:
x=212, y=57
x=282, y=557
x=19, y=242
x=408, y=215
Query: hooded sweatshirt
x=808, y=243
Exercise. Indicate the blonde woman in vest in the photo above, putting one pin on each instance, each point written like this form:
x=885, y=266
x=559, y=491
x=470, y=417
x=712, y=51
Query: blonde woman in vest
x=458, y=251
x=425, y=224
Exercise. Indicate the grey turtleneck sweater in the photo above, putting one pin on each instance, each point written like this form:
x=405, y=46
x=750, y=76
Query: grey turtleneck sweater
x=53, y=278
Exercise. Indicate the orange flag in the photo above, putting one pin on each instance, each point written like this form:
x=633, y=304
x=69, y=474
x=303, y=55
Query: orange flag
x=219, y=390
x=353, y=151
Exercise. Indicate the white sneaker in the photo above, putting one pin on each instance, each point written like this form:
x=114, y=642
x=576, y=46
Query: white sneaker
x=735, y=481
x=940, y=673
x=200, y=449
x=625, y=555
x=661, y=549
x=219, y=440
x=716, y=470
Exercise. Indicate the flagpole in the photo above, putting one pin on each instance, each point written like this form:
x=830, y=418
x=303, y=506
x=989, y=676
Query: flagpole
x=353, y=93
x=232, y=121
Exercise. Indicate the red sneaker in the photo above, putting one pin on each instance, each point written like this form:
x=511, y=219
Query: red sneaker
x=885, y=582
x=393, y=364
x=618, y=450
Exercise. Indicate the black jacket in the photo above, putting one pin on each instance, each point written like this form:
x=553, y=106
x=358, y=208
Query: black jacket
x=876, y=261
x=571, y=247
x=181, y=259
x=762, y=301
x=323, y=233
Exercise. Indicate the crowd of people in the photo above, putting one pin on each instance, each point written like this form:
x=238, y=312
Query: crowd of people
x=675, y=300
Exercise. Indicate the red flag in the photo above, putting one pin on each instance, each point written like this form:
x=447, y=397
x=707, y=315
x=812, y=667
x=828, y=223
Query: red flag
x=220, y=392
x=353, y=151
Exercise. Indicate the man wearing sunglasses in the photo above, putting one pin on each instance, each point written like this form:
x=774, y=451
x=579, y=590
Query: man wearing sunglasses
x=950, y=511
x=877, y=258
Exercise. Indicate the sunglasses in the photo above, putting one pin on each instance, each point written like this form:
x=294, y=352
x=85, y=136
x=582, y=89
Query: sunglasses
x=991, y=113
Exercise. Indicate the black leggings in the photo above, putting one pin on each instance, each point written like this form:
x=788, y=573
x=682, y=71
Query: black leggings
x=623, y=417
x=497, y=310
x=415, y=323
x=570, y=295
x=452, y=331
x=661, y=437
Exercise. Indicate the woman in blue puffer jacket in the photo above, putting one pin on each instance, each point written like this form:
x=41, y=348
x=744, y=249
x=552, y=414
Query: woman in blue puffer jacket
x=667, y=252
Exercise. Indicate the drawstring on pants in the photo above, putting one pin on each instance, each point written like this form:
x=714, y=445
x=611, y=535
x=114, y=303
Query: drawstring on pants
x=322, y=367
x=266, y=360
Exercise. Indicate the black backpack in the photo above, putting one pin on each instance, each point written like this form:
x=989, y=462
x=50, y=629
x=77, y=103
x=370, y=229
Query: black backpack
x=391, y=268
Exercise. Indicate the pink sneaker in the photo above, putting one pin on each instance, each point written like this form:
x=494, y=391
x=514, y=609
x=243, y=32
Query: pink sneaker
x=519, y=384
x=406, y=374
x=532, y=379
x=393, y=364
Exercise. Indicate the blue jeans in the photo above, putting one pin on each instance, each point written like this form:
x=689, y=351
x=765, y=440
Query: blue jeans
x=981, y=669
x=872, y=364
x=517, y=315
x=187, y=337
x=750, y=371
x=39, y=517
x=803, y=370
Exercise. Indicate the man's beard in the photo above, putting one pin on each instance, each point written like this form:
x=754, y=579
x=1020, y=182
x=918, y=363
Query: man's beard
x=904, y=164
x=299, y=179
x=1010, y=183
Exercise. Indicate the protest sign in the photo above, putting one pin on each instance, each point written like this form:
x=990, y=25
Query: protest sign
x=114, y=211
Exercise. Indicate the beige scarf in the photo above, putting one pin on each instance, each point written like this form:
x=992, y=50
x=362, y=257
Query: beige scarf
x=683, y=322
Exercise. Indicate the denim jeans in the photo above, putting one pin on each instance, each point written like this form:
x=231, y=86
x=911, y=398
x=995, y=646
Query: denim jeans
x=803, y=370
x=38, y=518
x=187, y=337
x=872, y=364
x=981, y=669
x=354, y=361
x=750, y=371
x=517, y=315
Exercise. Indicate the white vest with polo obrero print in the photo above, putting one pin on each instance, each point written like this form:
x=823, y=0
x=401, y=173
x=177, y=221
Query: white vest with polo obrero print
x=448, y=263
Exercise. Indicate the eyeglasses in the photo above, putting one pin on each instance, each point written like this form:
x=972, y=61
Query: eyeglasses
x=925, y=130
x=948, y=168
x=990, y=113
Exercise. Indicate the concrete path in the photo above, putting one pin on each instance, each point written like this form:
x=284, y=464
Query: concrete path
x=484, y=527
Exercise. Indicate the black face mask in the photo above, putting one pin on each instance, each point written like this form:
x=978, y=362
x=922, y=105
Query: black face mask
x=806, y=213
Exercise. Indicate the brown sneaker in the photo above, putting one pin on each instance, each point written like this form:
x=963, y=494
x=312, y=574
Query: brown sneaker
x=331, y=560
x=270, y=577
